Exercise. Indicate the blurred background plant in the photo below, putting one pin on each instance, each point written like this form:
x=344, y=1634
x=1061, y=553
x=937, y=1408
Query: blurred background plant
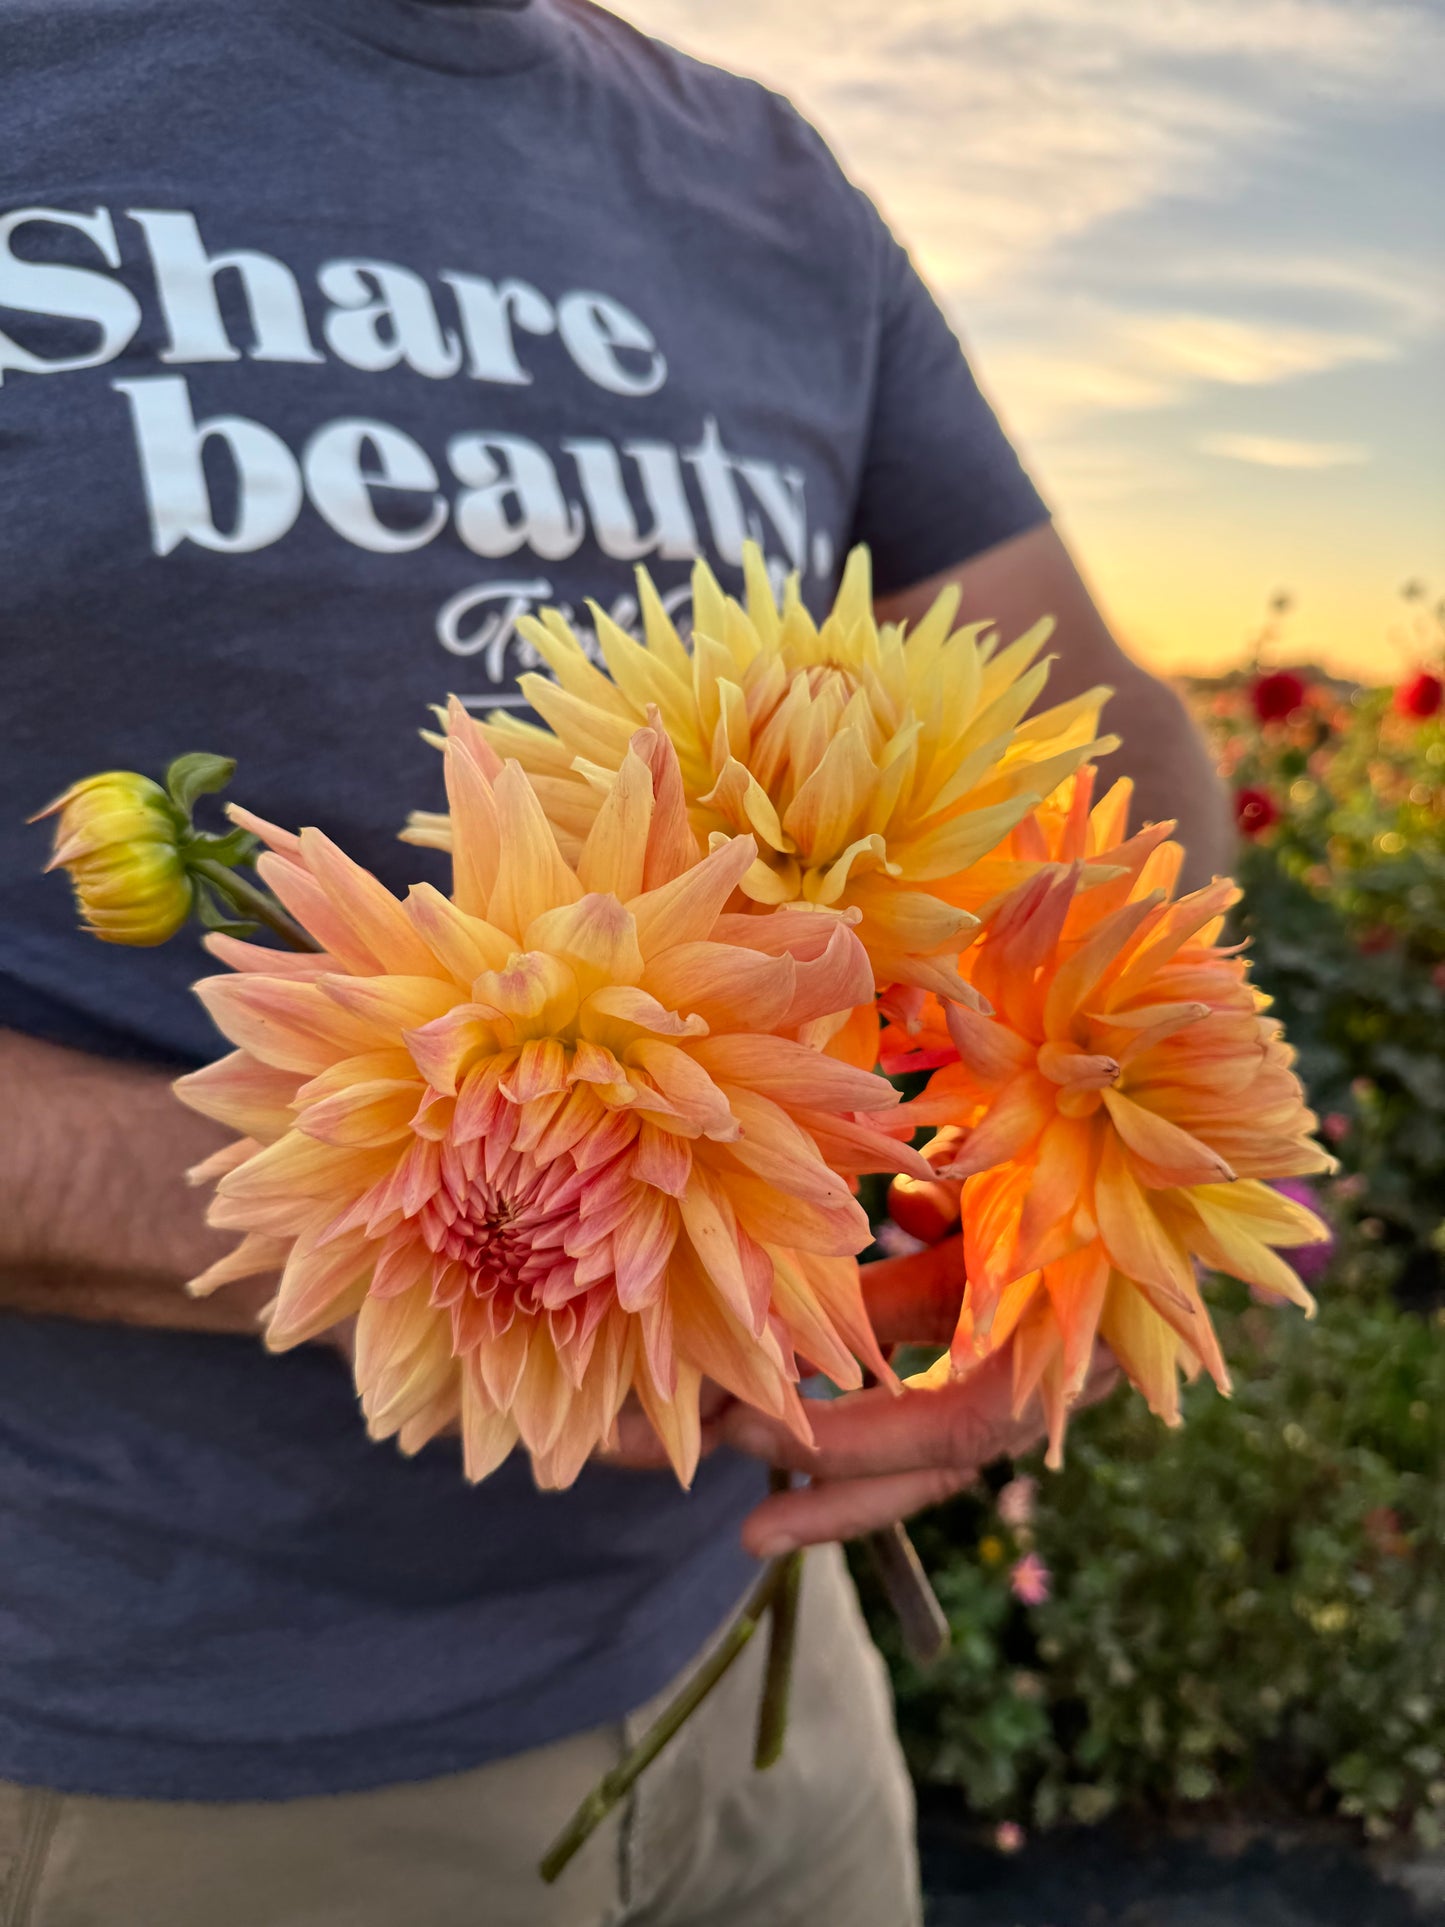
x=1249, y=1613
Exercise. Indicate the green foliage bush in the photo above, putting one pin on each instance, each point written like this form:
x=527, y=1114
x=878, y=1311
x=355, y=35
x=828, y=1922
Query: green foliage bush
x=1251, y=1609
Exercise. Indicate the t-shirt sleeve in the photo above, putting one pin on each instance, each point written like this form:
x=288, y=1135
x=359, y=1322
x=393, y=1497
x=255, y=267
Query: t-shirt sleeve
x=940, y=480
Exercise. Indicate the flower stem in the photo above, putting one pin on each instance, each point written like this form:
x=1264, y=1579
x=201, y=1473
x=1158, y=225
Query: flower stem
x=614, y=1786
x=255, y=904
x=778, y=1680
x=921, y=1620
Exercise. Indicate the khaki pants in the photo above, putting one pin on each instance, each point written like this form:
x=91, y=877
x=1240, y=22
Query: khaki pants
x=823, y=1839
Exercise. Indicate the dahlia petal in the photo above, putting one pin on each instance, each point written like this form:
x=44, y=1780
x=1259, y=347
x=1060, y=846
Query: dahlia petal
x=284, y=842
x=728, y=987
x=835, y=1286
x=1136, y=1240
x=476, y=838
x=1078, y=975
x=255, y=1253
x=1077, y=1285
x=257, y=958
x=318, y=1289
x=686, y=908
x=659, y=632
x=291, y=1026
x=536, y=995
x=596, y=936
x=1145, y=1347
x=239, y=1091
x=540, y=1071
x=439, y=1414
x=711, y=1336
x=840, y=980
x=1011, y=1125
x=645, y=680
x=465, y=945
x=671, y=846
x=712, y=1229
x=607, y=1016
x=674, y=1414
x=741, y=800
x=641, y=1247
x=773, y=1146
x=531, y=875
x=543, y=1397
x=811, y=1331
x=1060, y=1177
x=501, y=1361
x=797, y=1224
x=993, y=1053
x=614, y=854
x=688, y=1089
x=859, y=1144
x=777, y=1068
x=372, y=915
x=445, y=1049
x=1162, y=1154
x=662, y=1160
x=832, y=798
x=390, y=1005
x=372, y=1112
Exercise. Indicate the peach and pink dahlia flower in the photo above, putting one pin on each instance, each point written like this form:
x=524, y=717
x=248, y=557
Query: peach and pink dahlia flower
x=561, y=1136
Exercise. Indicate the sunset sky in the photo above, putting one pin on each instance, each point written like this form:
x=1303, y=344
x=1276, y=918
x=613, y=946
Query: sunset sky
x=1197, y=252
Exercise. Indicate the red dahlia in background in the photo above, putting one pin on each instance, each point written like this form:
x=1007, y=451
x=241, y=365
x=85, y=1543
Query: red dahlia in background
x=1420, y=695
x=1276, y=695
x=1255, y=811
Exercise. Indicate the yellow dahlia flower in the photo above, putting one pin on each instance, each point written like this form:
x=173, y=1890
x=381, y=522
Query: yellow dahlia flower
x=872, y=767
x=554, y=1138
x=1116, y=1119
x=119, y=839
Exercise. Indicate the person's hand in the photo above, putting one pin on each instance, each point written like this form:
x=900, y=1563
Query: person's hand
x=881, y=1456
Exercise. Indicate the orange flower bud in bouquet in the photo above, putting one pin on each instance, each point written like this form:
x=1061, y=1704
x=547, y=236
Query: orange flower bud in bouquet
x=118, y=838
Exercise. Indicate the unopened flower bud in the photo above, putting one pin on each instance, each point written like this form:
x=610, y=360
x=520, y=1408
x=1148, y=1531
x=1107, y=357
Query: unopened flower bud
x=119, y=838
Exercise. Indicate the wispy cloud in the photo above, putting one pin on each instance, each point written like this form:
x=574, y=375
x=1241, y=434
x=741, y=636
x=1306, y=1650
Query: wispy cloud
x=993, y=130
x=1103, y=361
x=1272, y=451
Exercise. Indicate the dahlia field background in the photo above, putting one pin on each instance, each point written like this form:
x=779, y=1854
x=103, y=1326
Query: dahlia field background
x=1246, y=1616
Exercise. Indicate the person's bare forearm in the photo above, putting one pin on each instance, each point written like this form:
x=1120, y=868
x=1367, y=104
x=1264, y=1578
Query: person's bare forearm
x=96, y=1217
x=1163, y=752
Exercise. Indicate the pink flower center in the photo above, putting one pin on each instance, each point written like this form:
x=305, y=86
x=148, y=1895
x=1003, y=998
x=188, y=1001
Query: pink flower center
x=498, y=1242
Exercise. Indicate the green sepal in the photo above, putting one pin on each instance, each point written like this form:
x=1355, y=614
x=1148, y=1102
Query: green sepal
x=236, y=846
x=198, y=774
x=216, y=916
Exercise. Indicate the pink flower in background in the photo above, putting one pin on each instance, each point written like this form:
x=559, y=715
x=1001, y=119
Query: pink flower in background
x=1030, y=1581
x=1008, y=1836
x=1310, y=1262
x=1016, y=1502
x=1335, y=1125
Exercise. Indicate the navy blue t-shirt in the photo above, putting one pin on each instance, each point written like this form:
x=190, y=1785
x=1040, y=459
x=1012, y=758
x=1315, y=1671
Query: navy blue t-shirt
x=334, y=335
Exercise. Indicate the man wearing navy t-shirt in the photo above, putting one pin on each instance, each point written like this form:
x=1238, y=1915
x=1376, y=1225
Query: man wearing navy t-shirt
x=335, y=335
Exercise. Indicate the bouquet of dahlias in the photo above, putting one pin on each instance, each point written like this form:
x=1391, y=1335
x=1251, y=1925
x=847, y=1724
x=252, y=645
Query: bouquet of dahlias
x=589, y=1128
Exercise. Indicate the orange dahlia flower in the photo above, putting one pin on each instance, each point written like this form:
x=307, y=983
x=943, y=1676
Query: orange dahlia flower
x=871, y=767
x=555, y=1138
x=1114, y=1120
